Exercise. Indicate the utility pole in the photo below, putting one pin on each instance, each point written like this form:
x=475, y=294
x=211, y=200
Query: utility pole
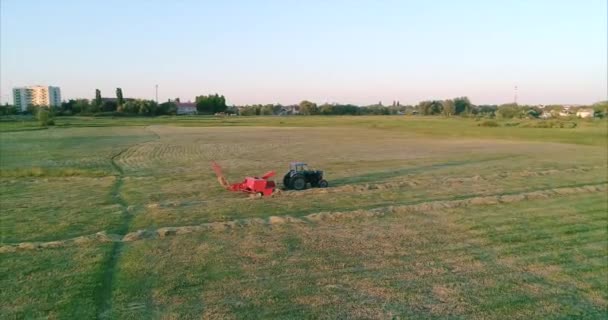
x=156, y=93
x=515, y=95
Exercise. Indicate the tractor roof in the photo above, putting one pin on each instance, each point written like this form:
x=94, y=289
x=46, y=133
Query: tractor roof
x=298, y=163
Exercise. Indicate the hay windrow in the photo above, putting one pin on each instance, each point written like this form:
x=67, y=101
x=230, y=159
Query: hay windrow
x=318, y=217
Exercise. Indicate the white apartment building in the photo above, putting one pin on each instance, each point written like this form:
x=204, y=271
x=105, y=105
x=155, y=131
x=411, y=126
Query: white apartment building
x=36, y=96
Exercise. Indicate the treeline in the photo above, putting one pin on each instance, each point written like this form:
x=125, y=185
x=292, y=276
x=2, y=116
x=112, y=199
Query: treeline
x=216, y=104
x=310, y=108
x=120, y=106
x=458, y=106
x=140, y=107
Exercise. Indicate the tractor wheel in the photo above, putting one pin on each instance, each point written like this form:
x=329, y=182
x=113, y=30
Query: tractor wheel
x=286, y=181
x=298, y=183
x=323, y=183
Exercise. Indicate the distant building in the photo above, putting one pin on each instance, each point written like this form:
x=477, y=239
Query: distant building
x=566, y=111
x=36, y=96
x=585, y=113
x=290, y=110
x=185, y=107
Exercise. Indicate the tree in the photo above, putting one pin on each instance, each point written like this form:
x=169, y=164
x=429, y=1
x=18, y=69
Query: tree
x=167, y=108
x=267, y=110
x=81, y=105
x=43, y=116
x=98, y=98
x=375, y=110
x=109, y=106
x=326, y=109
x=131, y=107
x=508, y=111
x=430, y=107
x=211, y=104
x=308, y=108
x=248, y=111
x=146, y=107
x=462, y=105
x=119, y=98
x=66, y=108
x=448, y=107
x=8, y=109
x=600, y=109
x=486, y=110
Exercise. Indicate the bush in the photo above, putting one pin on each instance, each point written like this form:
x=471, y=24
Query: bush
x=511, y=124
x=43, y=116
x=551, y=124
x=489, y=123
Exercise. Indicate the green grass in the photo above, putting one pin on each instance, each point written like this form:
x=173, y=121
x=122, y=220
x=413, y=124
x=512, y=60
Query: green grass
x=529, y=259
x=56, y=150
x=57, y=208
x=509, y=261
x=586, y=132
x=51, y=284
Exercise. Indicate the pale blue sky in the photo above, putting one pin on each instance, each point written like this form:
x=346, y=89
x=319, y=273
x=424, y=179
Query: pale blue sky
x=285, y=51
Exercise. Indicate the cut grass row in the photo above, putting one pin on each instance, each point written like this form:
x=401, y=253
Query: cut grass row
x=460, y=202
x=39, y=219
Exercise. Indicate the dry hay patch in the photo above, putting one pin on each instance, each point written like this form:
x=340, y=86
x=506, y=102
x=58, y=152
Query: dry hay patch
x=534, y=289
x=318, y=301
x=451, y=302
x=365, y=311
x=463, y=264
x=512, y=198
x=597, y=298
x=378, y=289
x=276, y=220
x=139, y=235
x=544, y=270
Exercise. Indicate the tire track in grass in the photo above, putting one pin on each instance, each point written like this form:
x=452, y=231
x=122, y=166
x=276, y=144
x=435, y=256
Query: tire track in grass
x=103, y=296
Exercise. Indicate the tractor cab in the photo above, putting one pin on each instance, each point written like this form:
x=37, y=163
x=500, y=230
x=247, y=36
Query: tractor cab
x=298, y=166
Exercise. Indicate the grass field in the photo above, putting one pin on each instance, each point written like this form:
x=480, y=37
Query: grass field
x=424, y=218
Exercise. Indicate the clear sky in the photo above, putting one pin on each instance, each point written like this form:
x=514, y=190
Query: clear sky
x=285, y=51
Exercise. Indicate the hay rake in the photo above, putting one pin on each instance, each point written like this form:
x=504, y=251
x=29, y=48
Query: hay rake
x=253, y=185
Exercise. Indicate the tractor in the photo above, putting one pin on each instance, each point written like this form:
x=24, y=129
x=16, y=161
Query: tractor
x=299, y=177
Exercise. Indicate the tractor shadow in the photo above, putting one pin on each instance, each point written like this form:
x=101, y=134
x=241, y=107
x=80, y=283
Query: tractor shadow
x=378, y=176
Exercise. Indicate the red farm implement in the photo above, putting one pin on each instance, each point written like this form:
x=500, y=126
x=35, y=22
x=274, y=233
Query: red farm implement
x=253, y=185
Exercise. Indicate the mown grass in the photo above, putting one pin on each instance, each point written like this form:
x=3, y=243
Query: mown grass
x=588, y=132
x=169, y=181
x=51, y=284
x=56, y=208
x=515, y=261
x=525, y=260
x=60, y=151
